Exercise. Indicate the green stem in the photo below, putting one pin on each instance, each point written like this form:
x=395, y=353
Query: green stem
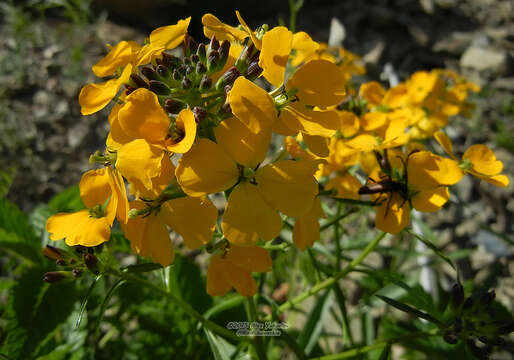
x=337, y=219
x=377, y=345
x=331, y=280
x=182, y=304
x=251, y=313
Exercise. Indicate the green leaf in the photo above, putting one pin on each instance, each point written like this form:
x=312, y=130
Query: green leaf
x=13, y=220
x=227, y=304
x=67, y=201
x=384, y=355
x=34, y=311
x=222, y=349
x=6, y=178
x=38, y=218
x=311, y=332
x=187, y=283
x=21, y=249
x=430, y=245
x=408, y=309
x=140, y=268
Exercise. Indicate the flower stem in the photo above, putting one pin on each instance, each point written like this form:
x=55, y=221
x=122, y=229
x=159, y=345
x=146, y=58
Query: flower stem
x=331, y=280
x=251, y=313
x=215, y=328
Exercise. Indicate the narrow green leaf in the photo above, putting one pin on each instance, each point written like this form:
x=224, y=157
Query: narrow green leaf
x=408, y=309
x=311, y=332
x=85, y=300
x=222, y=349
x=141, y=268
x=384, y=355
x=227, y=304
x=432, y=247
x=105, y=302
x=6, y=178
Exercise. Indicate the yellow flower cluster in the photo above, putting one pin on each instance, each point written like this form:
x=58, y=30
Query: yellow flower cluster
x=185, y=128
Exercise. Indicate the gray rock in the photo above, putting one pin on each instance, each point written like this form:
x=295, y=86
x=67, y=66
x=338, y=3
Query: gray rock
x=482, y=59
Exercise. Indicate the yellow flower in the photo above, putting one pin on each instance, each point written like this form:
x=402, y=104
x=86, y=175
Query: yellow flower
x=212, y=26
x=192, y=218
x=251, y=212
x=94, y=97
x=163, y=38
x=276, y=47
x=425, y=189
x=478, y=160
x=233, y=270
x=142, y=117
x=100, y=191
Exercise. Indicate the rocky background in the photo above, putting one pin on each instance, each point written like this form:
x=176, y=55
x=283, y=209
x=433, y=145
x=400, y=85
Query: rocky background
x=47, y=49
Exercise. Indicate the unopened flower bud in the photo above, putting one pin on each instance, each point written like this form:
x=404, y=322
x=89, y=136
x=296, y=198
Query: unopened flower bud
x=163, y=71
x=140, y=83
x=213, y=44
x=76, y=273
x=173, y=106
x=451, y=338
x=169, y=60
x=205, y=83
x=60, y=262
x=56, y=276
x=91, y=261
x=226, y=108
x=227, y=78
x=185, y=83
x=201, y=52
x=189, y=69
x=187, y=61
x=149, y=73
x=200, y=68
x=159, y=87
x=456, y=297
x=199, y=113
x=129, y=89
x=190, y=45
x=227, y=89
x=254, y=71
x=213, y=61
x=176, y=75
x=52, y=253
x=194, y=58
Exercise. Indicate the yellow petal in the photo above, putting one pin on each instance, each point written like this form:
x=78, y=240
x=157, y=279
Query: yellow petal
x=79, y=229
x=120, y=192
x=120, y=55
x=244, y=146
x=240, y=279
x=350, y=123
x=289, y=186
x=256, y=42
x=430, y=200
x=94, y=97
x=95, y=187
x=427, y=171
x=319, y=83
x=206, y=169
x=305, y=47
x=148, y=53
x=276, y=46
x=498, y=180
x=445, y=142
x=159, y=183
x=149, y=237
x=306, y=227
x=250, y=258
x=187, y=124
x=372, y=92
x=212, y=26
x=321, y=123
x=140, y=161
x=216, y=283
x=396, y=96
x=373, y=120
x=317, y=144
x=347, y=186
x=193, y=218
x=142, y=117
x=248, y=217
x=170, y=36
x=483, y=160
x=362, y=142
x=252, y=105
x=116, y=137
x=393, y=216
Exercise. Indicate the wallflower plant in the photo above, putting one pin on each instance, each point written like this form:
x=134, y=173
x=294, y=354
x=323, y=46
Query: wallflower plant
x=236, y=148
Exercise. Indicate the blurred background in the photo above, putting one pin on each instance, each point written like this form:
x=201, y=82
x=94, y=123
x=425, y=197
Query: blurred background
x=47, y=49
